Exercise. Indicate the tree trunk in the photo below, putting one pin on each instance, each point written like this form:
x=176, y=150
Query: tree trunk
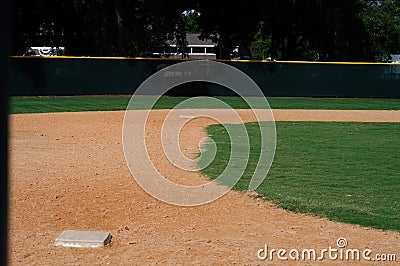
x=225, y=47
x=119, y=48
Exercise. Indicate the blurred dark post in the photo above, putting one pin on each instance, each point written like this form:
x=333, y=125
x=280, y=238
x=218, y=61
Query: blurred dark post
x=5, y=23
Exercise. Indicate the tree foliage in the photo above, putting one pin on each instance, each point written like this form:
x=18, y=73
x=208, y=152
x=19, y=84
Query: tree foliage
x=191, y=21
x=228, y=24
x=332, y=30
x=382, y=20
x=260, y=46
x=96, y=27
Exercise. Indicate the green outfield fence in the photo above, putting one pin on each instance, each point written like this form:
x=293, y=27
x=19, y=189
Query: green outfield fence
x=42, y=76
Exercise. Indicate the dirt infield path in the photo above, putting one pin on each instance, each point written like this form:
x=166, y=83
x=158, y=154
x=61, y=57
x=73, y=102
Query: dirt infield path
x=67, y=171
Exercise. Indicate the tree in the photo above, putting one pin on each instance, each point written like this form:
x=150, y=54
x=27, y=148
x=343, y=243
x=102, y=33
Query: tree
x=295, y=29
x=334, y=30
x=260, y=47
x=308, y=29
x=345, y=37
x=191, y=20
x=382, y=21
x=40, y=22
x=227, y=24
x=97, y=27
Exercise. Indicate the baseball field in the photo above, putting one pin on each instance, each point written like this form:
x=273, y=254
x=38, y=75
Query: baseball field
x=335, y=175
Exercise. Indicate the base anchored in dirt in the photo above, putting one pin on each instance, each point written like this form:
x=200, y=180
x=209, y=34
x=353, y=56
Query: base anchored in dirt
x=84, y=239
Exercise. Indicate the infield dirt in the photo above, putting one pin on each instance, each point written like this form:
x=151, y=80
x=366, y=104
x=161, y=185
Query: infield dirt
x=67, y=171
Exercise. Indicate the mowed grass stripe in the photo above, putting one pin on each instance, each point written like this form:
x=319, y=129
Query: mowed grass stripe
x=19, y=105
x=347, y=172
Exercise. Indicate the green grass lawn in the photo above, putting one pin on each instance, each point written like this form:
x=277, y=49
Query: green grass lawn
x=20, y=105
x=347, y=172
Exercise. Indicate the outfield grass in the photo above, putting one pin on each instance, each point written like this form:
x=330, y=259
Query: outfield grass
x=347, y=172
x=20, y=105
